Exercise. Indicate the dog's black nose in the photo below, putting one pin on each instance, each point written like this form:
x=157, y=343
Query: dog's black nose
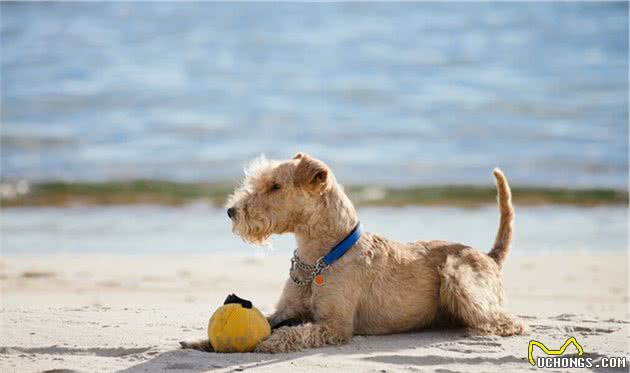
x=231, y=212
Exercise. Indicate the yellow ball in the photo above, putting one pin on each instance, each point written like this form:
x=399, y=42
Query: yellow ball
x=235, y=328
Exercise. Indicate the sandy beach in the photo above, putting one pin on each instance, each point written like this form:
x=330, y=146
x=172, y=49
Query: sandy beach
x=93, y=313
x=125, y=126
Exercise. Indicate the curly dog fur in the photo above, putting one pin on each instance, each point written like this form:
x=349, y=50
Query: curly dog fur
x=379, y=286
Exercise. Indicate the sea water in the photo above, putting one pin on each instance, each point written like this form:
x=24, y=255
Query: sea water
x=401, y=94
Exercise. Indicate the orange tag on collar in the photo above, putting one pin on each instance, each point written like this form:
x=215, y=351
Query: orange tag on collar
x=319, y=280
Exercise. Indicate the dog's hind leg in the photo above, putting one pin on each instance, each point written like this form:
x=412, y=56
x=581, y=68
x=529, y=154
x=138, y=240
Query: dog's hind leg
x=471, y=290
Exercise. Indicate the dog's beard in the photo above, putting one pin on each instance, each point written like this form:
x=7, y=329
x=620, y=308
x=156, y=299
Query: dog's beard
x=255, y=231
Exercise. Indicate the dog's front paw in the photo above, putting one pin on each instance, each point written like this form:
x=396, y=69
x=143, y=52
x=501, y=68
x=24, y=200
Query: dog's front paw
x=201, y=345
x=282, y=340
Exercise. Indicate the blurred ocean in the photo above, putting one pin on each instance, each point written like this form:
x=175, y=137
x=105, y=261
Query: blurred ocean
x=394, y=94
x=199, y=228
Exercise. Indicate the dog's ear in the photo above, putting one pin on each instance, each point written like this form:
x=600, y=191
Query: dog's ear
x=311, y=174
x=298, y=155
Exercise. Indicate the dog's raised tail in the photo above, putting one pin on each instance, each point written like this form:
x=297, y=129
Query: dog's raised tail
x=503, y=241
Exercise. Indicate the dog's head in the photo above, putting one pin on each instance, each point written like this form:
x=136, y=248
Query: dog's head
x=277, y=196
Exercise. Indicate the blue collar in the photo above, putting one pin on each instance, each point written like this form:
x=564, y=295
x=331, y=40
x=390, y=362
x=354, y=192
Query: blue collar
x=343, y=246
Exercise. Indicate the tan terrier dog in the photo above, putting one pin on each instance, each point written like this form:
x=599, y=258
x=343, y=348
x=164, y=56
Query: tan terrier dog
x=378, y=286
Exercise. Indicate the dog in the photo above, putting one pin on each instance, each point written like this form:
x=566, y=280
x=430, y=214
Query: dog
x=378, y=286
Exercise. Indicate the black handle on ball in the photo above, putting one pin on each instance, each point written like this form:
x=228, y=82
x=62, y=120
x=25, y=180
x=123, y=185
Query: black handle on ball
x=233, y=298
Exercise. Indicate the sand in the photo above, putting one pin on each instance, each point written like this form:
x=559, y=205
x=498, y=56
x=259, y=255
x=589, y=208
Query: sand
x=91, y=313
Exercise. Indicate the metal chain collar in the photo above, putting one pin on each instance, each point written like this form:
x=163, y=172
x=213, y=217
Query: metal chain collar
x=313, y=270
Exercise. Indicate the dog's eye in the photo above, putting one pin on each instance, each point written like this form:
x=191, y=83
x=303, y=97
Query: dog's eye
x=274, y=187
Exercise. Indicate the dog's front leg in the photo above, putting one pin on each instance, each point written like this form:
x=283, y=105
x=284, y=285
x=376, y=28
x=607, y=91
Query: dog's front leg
x=290, y=339
x=333, y=325
x=292, y=304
